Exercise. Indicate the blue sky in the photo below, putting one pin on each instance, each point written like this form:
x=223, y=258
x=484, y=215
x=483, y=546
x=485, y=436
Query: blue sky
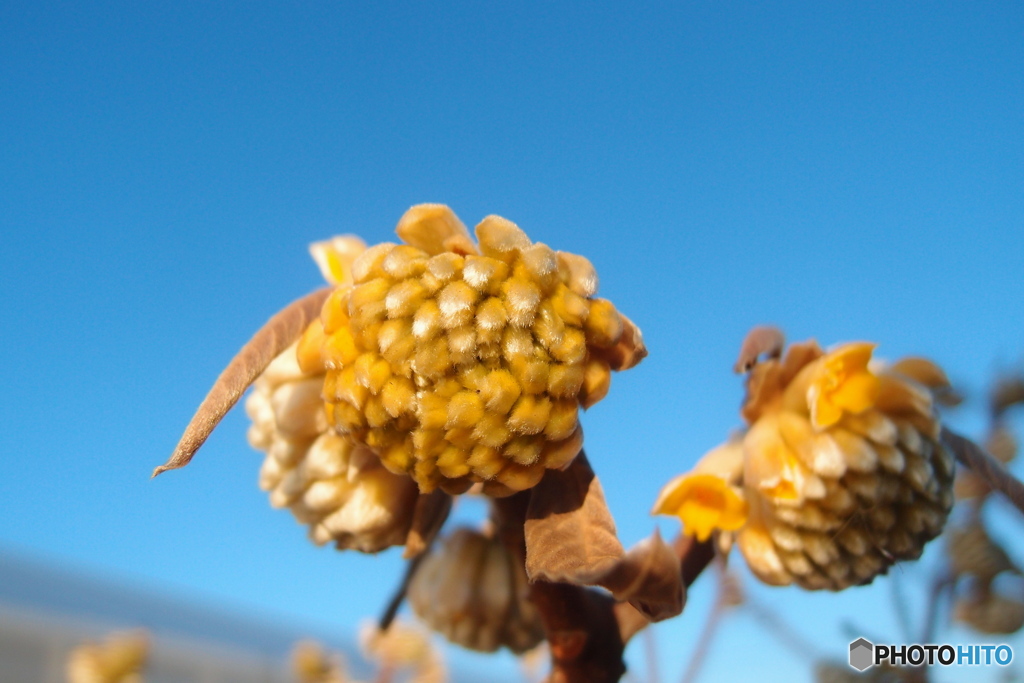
x=844, y=170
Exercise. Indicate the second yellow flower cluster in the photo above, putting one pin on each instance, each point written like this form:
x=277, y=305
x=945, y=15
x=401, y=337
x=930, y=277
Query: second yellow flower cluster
x=839, y=473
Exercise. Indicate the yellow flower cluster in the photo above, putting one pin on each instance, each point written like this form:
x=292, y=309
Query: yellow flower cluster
x=839, y=473
x=459, y=364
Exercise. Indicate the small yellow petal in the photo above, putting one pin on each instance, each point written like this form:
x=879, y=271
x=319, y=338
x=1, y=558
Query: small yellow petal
x=335, y=256
x=858, y=393
x=704, y=503
x=824, y=413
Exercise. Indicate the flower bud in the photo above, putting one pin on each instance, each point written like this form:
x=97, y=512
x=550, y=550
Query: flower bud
x=972, y=552
x=458, y=364
x=403, y=646
x=471, y=590
x=331, y=483
x=120, y=659
x=839, y=474
x=312, y=664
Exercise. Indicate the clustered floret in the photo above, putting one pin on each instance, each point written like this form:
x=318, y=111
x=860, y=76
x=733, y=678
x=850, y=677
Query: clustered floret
x=457, y=364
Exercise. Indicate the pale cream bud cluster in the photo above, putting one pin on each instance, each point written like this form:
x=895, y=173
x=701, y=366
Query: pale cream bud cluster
x=403, y=647
x=311, y=663
x=471, y=590
x=336, y=486
x=120, y=659
x=459, y=364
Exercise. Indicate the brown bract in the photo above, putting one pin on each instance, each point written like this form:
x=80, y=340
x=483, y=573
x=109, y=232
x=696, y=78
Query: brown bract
x=272, y=339
x=570, y=538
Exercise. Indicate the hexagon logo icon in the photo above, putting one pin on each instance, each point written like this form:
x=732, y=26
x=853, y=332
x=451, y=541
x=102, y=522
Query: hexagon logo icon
x=862, y=654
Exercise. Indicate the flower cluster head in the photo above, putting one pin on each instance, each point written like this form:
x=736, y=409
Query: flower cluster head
x=402, y=647
x=311, y=663
x=121, y=658
x=473, y=591
x=458, y=362
x=976, y=560
x=434, y=363
x=839, y=472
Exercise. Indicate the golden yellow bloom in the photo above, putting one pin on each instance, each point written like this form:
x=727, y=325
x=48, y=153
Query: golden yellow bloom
x=704, y=502
x=841, y=467
x=457, y=363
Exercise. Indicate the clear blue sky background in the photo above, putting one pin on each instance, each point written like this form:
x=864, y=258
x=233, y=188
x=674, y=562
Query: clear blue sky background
x=845, y=170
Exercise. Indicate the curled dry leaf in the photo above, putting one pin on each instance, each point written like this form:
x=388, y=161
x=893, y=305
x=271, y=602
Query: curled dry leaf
x=273, y=338
x=570, y=538
x=1008, y=391
x=649, y=578
x=570, y=533
x=762, y=340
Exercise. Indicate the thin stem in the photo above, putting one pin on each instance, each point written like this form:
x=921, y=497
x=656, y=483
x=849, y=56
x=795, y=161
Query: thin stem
x=941, y=585
x=651, y=656
x=391, y=611
x=900, y=607
x=986, y=466
x=706, y=639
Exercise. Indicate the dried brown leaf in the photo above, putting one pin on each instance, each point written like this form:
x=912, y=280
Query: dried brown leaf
x=570, y=533
x=761, y=340
x=1008, y=391
x=649, y=578
x=273, y=338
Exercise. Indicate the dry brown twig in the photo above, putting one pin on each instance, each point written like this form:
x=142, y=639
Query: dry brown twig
x=986, y=466
x=588, y=630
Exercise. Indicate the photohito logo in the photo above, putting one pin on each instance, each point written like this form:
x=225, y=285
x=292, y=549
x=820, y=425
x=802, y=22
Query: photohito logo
x=861, y=654
x=864, y=654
